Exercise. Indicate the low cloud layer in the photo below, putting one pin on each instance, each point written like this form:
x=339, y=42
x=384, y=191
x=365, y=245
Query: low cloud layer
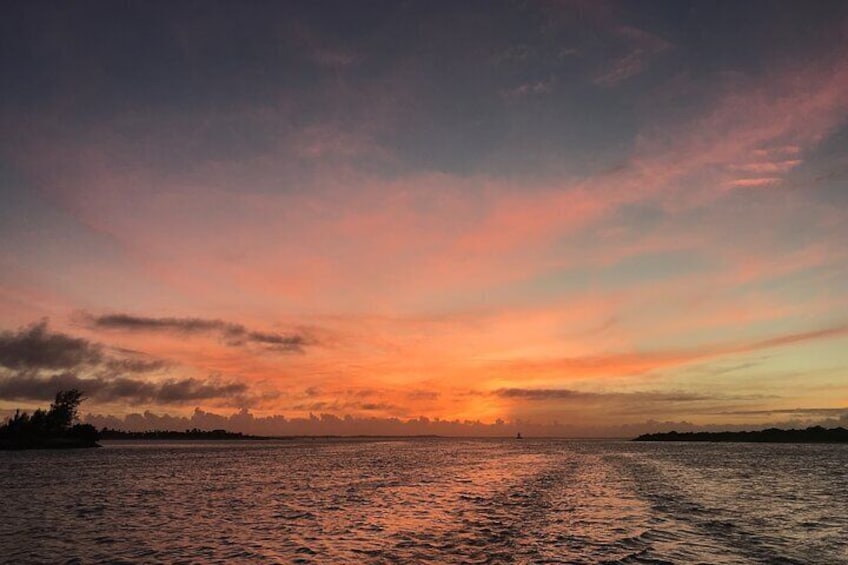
x=328, y=424
x=231, y=333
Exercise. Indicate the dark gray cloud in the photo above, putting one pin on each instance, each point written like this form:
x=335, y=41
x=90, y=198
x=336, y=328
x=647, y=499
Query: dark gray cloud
x=540, y=394
x=34, y=387
x=31, y=386
x=178, y=391
x=35, y=363
x=342, y=405
x=316, y=406
x=34, y=347
x=231, y=333
x=134, y=365
x=423, y=395
x=377, y=406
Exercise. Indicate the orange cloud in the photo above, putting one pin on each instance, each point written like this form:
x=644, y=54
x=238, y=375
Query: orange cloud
x=443, y=283
x=634, y=364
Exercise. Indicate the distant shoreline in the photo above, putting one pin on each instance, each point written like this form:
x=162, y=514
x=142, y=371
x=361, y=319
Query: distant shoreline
x=110, y=434
x=48, y=443
x=815, y=434
x=217, y=435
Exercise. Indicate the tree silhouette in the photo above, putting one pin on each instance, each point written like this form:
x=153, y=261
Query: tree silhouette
x=52, y=428
x=65, y=409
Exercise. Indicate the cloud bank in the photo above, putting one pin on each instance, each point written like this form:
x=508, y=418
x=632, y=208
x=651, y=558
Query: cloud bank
x=328, y=424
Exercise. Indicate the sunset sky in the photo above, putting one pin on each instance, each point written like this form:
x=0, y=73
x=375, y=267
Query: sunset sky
x=590, y=213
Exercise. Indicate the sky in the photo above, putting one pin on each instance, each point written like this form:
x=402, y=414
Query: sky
x=586, y=217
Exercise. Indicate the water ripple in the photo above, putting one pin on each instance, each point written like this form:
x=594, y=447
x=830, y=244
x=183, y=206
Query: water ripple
x=426, y=501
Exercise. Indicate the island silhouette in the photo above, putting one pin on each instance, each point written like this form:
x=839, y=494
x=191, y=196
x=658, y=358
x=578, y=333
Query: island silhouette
x=56, y=428
x=59, y=428
x=815, y=434
x=192, y=434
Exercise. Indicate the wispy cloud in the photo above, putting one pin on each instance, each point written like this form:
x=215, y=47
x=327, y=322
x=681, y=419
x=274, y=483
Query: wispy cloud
x=537, y=394
x=641, y=48
x=768, y=167
x=631, y=364
x=337, y=407
x=761, y=167
x=535, y=88
x=755, y=182
x=794, y=411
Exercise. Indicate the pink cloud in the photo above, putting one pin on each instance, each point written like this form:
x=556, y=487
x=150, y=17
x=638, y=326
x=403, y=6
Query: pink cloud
x=765, y=167
x=346, y=242
x=779, y=151
x=755, y=182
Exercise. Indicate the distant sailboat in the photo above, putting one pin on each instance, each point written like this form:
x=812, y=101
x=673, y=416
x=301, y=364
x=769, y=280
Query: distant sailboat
x=519, y=436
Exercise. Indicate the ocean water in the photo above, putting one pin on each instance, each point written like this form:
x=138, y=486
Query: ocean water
x=426, y=501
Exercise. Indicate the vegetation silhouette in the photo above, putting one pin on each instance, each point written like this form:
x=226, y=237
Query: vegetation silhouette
x=219, y=434
x=192, y=434
x=56, y=428
x=815, y=434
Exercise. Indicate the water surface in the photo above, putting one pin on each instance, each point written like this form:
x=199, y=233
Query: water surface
x=426, y=500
